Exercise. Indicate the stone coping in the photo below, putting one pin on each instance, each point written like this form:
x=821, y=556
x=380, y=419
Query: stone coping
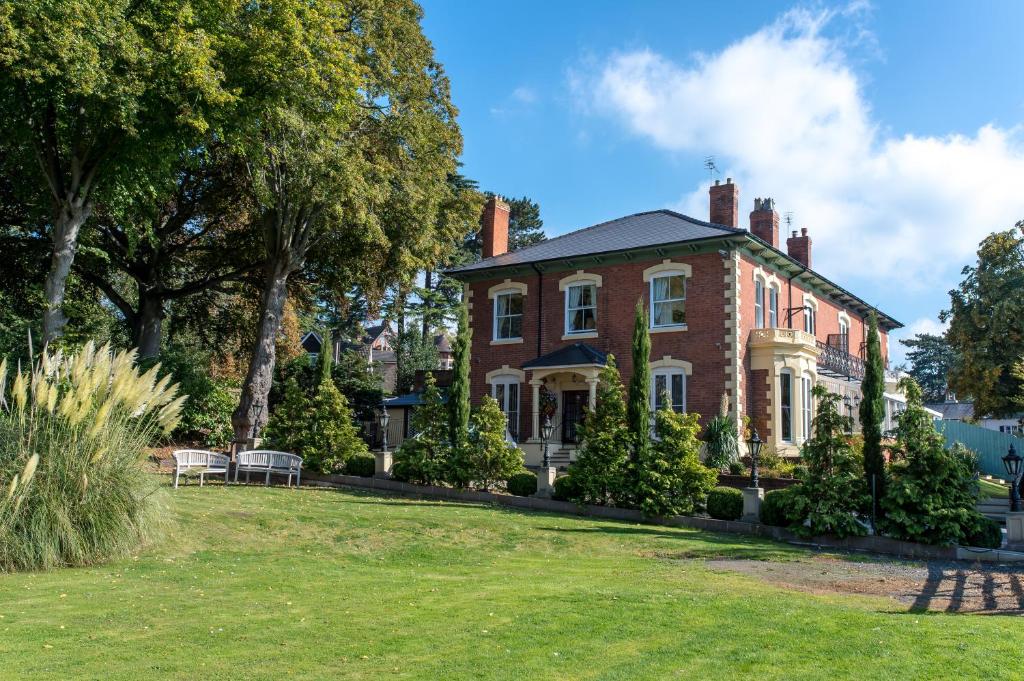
x=880, y=545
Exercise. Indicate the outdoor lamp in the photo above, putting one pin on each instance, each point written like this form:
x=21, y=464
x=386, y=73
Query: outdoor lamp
x=545, y=434
x=383, y=418
x=754, y=444
x=1012, y=463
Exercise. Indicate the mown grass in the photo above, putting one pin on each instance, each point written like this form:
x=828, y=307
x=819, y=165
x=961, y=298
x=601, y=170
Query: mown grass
x=993, y=490
x=254, y=583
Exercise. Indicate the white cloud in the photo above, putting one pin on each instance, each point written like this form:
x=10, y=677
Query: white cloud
x=524, y=94
x=784, y=113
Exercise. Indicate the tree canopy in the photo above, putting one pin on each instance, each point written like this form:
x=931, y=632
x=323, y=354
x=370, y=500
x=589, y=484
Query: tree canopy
x=931, y=361
x=986, y=325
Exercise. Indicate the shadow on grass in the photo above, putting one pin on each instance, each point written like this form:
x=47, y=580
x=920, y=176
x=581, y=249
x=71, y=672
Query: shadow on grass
x=705, y=545
x=989, y=591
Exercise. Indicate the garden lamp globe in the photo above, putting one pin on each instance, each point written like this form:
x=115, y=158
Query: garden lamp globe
x=383, y=419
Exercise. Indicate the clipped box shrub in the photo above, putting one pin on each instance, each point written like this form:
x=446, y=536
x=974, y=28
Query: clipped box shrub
x=725, y=503
x=987, y=534
x=362, y=465
x=523, y=484
x=775, y=508
x=566, y=489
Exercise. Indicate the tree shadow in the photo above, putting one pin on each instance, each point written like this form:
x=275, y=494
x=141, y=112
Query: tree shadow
x=977, y=589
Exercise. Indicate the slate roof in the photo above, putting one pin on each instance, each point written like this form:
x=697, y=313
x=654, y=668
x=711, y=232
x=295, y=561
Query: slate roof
x=953, y=411
x=653, y=228
x=577, y=354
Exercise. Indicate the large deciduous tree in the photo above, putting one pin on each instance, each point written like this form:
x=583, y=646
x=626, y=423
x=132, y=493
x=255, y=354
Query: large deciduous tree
x=350, y=148
x=191, y=238
x=986, y=325
x=101, y=95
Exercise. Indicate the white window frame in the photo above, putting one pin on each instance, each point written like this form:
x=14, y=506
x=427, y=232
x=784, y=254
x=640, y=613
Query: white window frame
x=506, y=382
x=669, y=373
x=810, y=319
x=773, y=306
x=759, y=288
x=806, y=406
x=496, y=326
x=786, y=410
x=664, y=275
x=568, y=312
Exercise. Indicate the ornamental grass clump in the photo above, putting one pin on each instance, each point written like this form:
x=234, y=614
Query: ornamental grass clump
x=72, y=435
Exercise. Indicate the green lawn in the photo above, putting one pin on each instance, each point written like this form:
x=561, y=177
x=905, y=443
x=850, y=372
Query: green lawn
x=993, y=490
x=261, y=583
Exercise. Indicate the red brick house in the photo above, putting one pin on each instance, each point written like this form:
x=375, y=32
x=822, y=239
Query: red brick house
x=731, y=312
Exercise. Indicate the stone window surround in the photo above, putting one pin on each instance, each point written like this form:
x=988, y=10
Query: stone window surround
x=668, y=365
x=580, y=277
x=507, y=286
x=665, y=268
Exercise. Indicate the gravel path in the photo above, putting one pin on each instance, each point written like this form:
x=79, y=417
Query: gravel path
x=935, y=585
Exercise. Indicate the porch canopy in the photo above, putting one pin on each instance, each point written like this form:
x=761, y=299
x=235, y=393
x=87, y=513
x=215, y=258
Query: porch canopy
x=580, y=359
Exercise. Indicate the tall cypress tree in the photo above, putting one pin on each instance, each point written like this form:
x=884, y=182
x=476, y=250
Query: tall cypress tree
x=326, y=358
x=458, y=394
x=872, y=412
x=639, y=406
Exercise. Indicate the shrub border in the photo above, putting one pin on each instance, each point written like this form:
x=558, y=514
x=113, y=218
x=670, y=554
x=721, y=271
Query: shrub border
x=880, y=545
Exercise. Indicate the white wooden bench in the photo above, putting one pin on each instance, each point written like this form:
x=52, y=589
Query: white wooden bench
x=266, y=461
x=208, y=463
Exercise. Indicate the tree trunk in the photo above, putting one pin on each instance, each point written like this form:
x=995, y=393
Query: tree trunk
x=148, y=327
x=70, y=218
x=251, y=415
x=428, y=302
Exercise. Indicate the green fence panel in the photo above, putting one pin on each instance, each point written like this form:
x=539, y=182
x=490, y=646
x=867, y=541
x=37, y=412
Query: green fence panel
x=990, y=445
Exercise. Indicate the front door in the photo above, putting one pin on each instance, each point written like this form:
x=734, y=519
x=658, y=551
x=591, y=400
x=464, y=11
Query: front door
x=574, y=402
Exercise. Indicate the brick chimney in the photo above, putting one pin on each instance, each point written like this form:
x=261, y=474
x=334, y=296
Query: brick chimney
x=799, y=247
x=764, y=221
x=725, y=203
x=494, y=227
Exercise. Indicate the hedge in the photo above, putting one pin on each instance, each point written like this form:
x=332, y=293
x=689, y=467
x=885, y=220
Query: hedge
x=725, y=503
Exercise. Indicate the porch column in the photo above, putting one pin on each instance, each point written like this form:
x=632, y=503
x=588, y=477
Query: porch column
x=536, y=383
x=592, y=399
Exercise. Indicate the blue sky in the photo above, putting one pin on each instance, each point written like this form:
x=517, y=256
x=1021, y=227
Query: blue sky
x=894, y=132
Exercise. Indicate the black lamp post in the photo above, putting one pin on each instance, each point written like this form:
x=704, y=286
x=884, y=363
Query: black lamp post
x=754, y=443
x=1012, y=463
x=383, y=419
x=849, y=413
x=545, y=434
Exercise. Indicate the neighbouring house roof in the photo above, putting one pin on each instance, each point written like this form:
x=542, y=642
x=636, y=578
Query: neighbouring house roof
x=577, y=354
x=663, y=228
x=372, y=333
x=652, y=228
x=442, y=343
x=312, y=342
x=953, y=411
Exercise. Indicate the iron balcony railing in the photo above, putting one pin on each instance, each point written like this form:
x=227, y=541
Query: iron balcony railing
x=835, y=360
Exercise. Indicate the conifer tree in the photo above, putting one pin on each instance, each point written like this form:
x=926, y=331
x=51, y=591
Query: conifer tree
x=424, y=459
x=600, y=469
x=490, y=457
x=320, y=427
x=458, y=394
x=639, y=415
x=872, y=413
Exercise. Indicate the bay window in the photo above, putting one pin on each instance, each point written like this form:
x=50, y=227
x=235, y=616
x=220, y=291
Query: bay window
x=786, y=405
x=806, y=405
